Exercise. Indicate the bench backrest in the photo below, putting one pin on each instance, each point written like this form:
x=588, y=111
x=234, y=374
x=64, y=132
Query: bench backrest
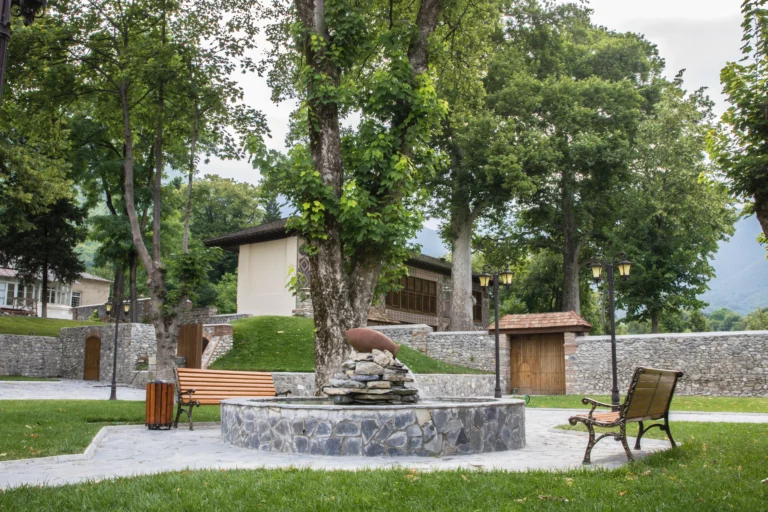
x=213, y=386
x=650, y=394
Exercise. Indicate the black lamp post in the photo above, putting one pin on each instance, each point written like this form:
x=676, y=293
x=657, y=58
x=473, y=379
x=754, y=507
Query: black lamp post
x=623, y=265
x=506, y=280
x=26, y=8
x=126, y=308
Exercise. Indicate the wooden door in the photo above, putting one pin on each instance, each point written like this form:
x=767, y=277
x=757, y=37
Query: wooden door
x=191, y=345
x=92, y=358
x=538, y=364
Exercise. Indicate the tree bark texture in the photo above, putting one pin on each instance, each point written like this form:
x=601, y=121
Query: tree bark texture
x=341, y=294
x=461, y=271
x=571, y=247
x=134, y=301
x=192, y=162
x=654, y=322
x=44, y=292
x=166, y=325
x=761, y=211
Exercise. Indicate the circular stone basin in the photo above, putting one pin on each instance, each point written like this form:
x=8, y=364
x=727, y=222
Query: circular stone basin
x=432, y=428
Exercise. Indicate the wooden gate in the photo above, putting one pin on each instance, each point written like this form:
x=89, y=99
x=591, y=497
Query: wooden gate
x=191, y=344
x=538, y=364
x=92, y=358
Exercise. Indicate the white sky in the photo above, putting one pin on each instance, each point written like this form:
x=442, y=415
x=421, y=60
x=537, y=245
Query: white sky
x=698, y=35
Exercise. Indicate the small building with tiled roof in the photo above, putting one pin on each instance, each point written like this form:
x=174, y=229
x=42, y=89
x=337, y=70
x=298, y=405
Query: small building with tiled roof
x=268, y=254
x=542, y=323
x=539, y=346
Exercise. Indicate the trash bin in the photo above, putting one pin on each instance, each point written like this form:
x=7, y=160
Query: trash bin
x=159, y=405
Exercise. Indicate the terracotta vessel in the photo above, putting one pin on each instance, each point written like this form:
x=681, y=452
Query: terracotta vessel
x=365, y=340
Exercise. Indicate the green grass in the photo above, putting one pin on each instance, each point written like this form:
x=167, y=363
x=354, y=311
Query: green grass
x=26, y=379
x=286, y=344
x=679, y=403
x=32, y=326
x=718, y=467
x=41, y=428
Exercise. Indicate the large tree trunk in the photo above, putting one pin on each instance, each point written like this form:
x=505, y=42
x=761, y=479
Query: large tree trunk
x=341, y=294
x=461, y=271
x=654, y=322
x=571, y=248
x=192, y=166
x=133, y=262
x=761, y=211
x=44, y=293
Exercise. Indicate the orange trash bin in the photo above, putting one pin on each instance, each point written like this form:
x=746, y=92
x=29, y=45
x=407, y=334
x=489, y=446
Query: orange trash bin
x=159, y=405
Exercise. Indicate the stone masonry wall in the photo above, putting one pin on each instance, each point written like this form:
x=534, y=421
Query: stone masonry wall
x=134, y=342
x=716, y=364
x=30, y=356
x=473, y=349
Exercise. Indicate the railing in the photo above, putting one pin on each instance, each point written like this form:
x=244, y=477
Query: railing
x=21, y=306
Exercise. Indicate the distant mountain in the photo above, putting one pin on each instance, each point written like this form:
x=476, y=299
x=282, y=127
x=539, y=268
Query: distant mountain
x=741, y=271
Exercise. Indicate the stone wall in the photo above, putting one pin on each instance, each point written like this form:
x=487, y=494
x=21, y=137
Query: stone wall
x=717, y=363
x=30, y=356
x=220, y=341
x=135, y=343
x=473, y=349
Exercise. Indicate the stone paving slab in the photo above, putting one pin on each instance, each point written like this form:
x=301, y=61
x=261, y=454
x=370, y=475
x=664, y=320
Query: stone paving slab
x=135, y=450
x=65, y=389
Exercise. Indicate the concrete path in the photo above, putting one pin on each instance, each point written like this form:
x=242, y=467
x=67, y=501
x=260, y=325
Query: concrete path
x=134, y=450
x=65, y=389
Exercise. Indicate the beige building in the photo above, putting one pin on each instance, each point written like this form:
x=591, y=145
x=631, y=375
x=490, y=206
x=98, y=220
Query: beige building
x=269, y=256
x=17, y=296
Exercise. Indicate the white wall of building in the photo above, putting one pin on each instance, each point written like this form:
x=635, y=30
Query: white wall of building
x=262, y=276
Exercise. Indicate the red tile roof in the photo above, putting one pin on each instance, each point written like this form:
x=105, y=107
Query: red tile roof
x=551, y=322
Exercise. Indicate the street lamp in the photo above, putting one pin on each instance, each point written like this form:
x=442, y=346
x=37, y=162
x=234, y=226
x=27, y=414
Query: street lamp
x=623, y=265
x=126, y=308
x=506, y=279
x=27, y=8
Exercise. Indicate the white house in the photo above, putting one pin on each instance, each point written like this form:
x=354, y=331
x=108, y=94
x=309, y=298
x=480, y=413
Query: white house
x=17, y=296
x=269, y=255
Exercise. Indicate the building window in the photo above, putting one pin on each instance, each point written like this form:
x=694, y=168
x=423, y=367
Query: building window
x=3, y=291
x=417, y=296
x=477, y=306
x=75, y=299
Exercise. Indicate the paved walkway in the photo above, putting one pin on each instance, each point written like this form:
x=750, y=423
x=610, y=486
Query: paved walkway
x=65, y=389
x=134, y=450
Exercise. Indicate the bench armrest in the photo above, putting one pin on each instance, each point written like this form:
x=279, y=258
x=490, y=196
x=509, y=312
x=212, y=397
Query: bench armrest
x=284, y=393
x=187, y=392
x=595, y=404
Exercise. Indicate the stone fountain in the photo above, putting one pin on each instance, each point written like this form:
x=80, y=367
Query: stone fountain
x=373, y=409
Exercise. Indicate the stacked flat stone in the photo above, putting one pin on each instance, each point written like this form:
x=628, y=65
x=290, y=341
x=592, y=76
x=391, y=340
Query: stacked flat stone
x=372, y=378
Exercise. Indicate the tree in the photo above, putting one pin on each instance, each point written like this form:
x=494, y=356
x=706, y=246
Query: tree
x=47, y=248
x=226, y=294
x=356, y=190
x=757, y=320
x=583, y=89
x=723, y=319
x=738, y=146
x=133, y=58
x=675, y=211
x=34, y=169
x=482, y=171
x=271, y=210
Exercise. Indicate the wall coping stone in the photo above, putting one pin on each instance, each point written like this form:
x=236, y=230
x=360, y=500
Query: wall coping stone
x=673, y=335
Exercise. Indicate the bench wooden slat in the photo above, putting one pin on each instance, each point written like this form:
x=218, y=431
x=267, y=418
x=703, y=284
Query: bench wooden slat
x=213, y=386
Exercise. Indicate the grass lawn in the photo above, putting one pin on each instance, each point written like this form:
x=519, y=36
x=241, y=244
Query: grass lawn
x=286, y=344
x=679, y=403
x=26, y=379
x=32, y=326
x=41, y=428
x=718, y=467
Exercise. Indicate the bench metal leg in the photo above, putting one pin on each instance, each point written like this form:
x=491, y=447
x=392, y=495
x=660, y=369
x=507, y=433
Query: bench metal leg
x=640, y=433
x=590, y=444
x=178, y=415
x=186, y=409
x=665, y=428
x=623, y=437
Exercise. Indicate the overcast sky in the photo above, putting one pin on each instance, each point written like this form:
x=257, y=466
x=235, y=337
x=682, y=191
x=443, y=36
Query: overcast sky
x=698, y=35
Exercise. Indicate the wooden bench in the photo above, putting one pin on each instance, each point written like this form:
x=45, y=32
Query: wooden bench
x=209, y=387
x=648, y=399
